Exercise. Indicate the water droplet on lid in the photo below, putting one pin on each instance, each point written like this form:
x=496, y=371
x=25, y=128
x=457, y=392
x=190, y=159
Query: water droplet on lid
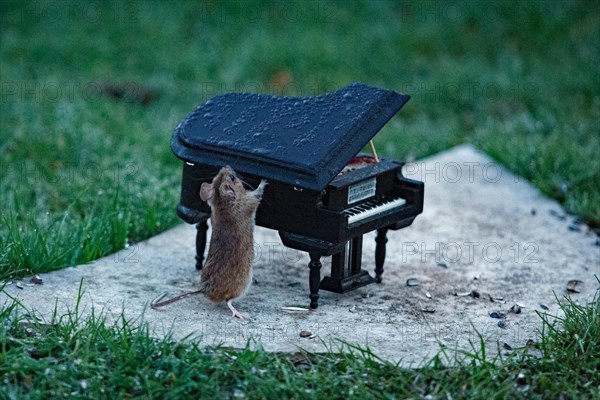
x=209, y=115
x=347, y=95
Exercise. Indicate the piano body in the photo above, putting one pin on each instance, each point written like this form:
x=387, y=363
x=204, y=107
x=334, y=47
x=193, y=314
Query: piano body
x=323, y=196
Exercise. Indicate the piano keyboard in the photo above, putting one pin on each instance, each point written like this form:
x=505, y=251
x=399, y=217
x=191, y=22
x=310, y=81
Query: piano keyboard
x=374, y=207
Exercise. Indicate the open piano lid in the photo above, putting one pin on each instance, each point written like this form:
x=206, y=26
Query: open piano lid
x=301, y=141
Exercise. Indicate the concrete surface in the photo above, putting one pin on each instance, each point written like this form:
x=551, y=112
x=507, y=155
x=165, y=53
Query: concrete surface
x=483, y=229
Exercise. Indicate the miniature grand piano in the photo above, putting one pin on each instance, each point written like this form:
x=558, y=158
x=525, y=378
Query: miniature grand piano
x=323, y=196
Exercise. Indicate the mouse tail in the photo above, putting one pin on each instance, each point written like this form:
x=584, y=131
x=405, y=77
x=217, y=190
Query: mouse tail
x=158, y=303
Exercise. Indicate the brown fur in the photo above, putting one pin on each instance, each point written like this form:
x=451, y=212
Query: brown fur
x=227, y=272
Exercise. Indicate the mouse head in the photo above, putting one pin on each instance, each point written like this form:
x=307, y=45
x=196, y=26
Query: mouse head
x=226, y=188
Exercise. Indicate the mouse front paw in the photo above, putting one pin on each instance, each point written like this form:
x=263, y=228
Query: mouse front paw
x=261, y=187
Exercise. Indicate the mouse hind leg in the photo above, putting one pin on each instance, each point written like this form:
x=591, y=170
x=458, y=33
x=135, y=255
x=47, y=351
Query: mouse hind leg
x=236, y=313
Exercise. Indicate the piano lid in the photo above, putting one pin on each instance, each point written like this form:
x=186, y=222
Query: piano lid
x=301, y=141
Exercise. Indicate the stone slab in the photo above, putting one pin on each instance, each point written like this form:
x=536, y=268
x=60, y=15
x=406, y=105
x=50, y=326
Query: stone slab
x=483, y=229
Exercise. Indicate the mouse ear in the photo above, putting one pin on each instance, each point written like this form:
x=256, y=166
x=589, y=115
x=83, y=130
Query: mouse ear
x=206, y=191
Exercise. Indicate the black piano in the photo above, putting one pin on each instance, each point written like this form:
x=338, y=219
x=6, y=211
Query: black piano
x=323, y=193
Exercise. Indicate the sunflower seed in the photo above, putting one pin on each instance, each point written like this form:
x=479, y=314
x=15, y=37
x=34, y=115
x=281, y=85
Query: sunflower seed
x=442, y=265
x=501, y=324
x=37, y=279
x=305, y=334
x=507, y=346
x=544, y=307
x=428, y=295
x=497, y=314
x=295, y=309
x=497, y=299
x=462, y=294
x=516, y=309
x=572, y=285
x=412, y=282
x=428, y=309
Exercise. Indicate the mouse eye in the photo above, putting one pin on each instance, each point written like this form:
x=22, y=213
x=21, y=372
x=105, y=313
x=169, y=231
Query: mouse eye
x=232, y=177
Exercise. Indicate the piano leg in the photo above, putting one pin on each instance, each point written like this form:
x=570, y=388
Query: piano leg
x=380, y=241
x=346, y=273
x=201, y=229
x=314, y=278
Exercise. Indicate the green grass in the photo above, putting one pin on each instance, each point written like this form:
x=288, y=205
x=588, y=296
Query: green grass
x=70, y=356
x=83, y=173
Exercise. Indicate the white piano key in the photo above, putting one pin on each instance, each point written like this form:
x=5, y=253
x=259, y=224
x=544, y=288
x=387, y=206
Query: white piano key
x=355, y=214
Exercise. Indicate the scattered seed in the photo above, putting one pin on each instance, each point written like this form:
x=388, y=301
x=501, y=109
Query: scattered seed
x=516, y=308
x=428, y=295
x=507, y=346
x=294, y=284
x=497, y=299
x=366, y=295
x=19, y=285
x=442, y=265
x=476, y=277
x=572, y=286
x=520, y=378
x=497, y=314
x=475, y=294
x=573, y=228
x=295, y=309
x=557, y=215
x=352, y=309
x=533, y=212
x=305, y=334
x=37, y=279
x=501, y=324
x=429, y=310
x=412, y=282
x=544, y=307
x=462, y=294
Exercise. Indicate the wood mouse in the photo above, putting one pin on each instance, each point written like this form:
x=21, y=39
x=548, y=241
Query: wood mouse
x=227, y=272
